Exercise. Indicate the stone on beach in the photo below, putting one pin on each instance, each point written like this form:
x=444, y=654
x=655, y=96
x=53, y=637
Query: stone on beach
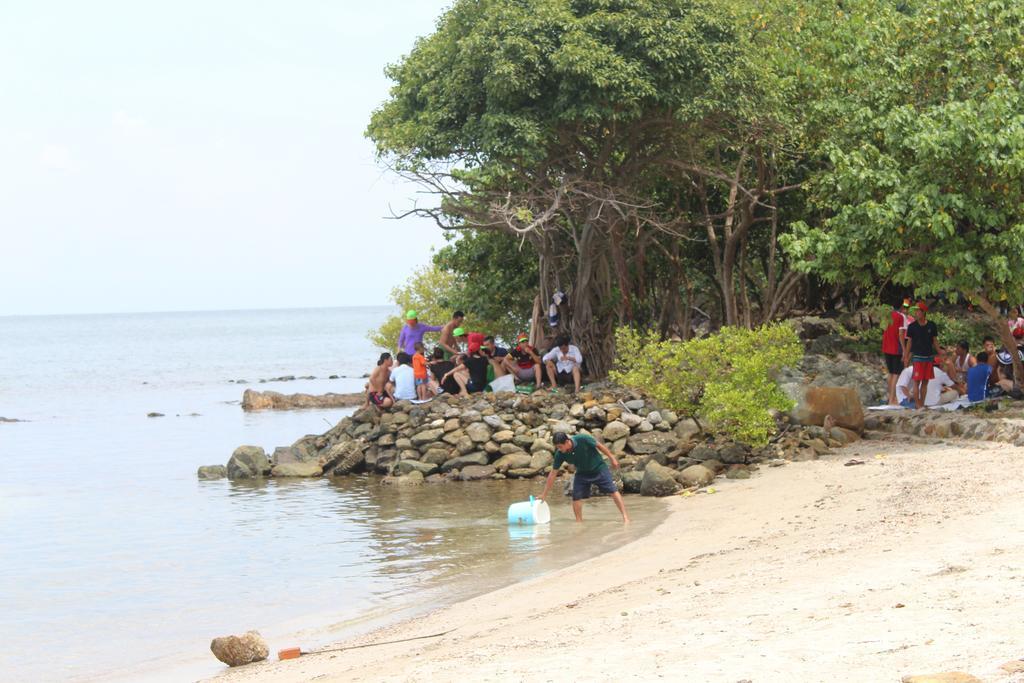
x=658, y=480
x=842, y=403
x=248, y=462
x=696, y=475
x=240, y=650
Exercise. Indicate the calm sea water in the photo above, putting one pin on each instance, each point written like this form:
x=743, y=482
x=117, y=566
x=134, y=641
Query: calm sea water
x=117, y=564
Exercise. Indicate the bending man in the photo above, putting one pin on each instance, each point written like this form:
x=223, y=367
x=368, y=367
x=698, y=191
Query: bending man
x=584, y=453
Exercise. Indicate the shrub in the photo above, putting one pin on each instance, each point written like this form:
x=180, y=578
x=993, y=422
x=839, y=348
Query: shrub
x=724, y=379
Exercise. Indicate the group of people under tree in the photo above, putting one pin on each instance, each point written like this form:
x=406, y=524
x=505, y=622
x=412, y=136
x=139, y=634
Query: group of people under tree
x=464, y=363
x=923, y=374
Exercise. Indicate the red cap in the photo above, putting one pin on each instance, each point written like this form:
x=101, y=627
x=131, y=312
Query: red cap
x=923, y=306
x=474, y=348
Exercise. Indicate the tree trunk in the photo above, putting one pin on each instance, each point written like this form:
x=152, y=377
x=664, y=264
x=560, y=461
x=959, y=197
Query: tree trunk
x=1003, y=330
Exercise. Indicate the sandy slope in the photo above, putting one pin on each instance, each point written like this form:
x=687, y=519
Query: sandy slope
x=911, y=563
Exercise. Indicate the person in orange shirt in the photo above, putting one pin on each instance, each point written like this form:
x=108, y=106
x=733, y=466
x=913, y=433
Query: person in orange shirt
x=419, y=372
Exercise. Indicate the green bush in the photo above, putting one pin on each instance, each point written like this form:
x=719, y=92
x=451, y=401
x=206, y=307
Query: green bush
x=724, y=379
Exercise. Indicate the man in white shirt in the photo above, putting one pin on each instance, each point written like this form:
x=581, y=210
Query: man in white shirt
x=563, y=363
x=403, y=378
x=939, y=389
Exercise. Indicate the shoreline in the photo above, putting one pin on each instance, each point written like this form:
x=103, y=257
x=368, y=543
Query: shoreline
x=812, y=571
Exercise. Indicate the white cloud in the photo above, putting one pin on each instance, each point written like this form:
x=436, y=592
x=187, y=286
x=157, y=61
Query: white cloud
x=57, y=157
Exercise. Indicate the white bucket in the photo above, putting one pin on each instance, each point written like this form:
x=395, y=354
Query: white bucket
x=531, y=511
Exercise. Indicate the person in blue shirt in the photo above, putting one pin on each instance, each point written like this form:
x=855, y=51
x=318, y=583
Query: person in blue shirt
x=977, y=378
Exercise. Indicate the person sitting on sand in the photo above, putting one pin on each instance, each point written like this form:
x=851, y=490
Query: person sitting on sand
x=412, y=332
x=563, y=364
x=524, y=362
x=584, y=453
x=377, y=389
x=448, y=342
x=403, y=378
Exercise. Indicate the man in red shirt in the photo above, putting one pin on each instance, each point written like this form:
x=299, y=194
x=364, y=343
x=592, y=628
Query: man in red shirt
x=892, y=349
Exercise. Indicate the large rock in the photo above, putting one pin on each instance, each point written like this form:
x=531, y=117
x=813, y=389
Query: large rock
x=615, y=430
x=632, y=482
x=212, y=472
x=630, y=420
x=703, y=452
x=657, y=480
x=696, y=475
x=407, y=466
x=478, y=432
x=842, y=403
x=651, y=442
x=297, y=469
x=512, y=461
x=731, y=454
x=476, y=472
x=424, y=438
x=436, y=456
x=271, y=400
x=248, y=462
x=477, y=458
x=504, y=436
x=541, y=459
x=240, y=650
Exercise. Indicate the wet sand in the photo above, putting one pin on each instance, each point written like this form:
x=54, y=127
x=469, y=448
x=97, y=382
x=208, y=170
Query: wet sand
x=910, y=563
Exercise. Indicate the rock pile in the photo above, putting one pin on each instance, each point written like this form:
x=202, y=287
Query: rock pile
x=509, y=436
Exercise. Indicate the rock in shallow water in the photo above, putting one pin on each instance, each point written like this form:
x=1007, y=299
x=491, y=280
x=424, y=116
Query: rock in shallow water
x=297, y=469
x=240, y=650
x=248, y=462
x=212, y=472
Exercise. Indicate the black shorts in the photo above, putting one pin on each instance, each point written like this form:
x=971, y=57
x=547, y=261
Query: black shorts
x=894, y=363
x=377, y=398
x=564, y=378
x=581, y=483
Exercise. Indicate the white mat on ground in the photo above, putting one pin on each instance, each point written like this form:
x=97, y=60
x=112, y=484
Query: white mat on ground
x=961, y=402
x=886, y=407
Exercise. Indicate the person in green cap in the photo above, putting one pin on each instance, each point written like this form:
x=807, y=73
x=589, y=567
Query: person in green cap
x=412, y=332
x=450, y=334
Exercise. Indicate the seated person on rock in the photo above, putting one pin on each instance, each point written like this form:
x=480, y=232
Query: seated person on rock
x=449, y=339
x=564, y=364
x=960, y=362
x=495, y=354
x=1004, y=370
x=378, y=392
x=470, y=371
x=524, y=362
x=440, y=368
x=403, y=378
x=977, y=379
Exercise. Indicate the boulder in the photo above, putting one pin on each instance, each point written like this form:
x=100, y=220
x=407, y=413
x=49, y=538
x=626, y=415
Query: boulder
x=512, y=461
x=494, y=421
x=654, y=417
x=657, y=480
x=630, y=420
x=436, y=456
x=651, y=442
x=644, y=426
x=212, y=472
x=240, y=650
x=615, y=430
x=522, y=473
x=731, y=454
x=424, y=468
x=696, y=475
x=478, y=432
x=297, y=469
x=504, y=436
x=635, y=404
x=842, y=403
x=541, y=459
x=427, y=437
x=737, y=472
x=632, y=481
x=687, y=429
x=462, y=461
x=703, y=452
x=248, y=462
x=414, y=478
x=476, y=472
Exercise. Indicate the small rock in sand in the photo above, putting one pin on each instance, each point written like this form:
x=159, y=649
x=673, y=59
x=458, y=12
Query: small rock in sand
x=240, y=650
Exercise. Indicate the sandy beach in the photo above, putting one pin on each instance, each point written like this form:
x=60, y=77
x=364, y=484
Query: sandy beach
x=910, y=563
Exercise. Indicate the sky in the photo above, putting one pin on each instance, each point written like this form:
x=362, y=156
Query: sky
x=201, y=155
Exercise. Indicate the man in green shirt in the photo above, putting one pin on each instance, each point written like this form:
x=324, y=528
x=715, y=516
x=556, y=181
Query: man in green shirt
x=584, y=453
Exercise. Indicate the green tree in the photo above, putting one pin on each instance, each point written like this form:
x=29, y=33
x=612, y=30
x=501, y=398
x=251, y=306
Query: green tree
x=925, y=186
x=724, y=379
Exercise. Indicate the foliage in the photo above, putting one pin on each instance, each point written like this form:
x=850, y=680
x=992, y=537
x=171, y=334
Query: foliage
x=924, y=183
x=429, y=292
x=724, y=379
x=495, y=277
